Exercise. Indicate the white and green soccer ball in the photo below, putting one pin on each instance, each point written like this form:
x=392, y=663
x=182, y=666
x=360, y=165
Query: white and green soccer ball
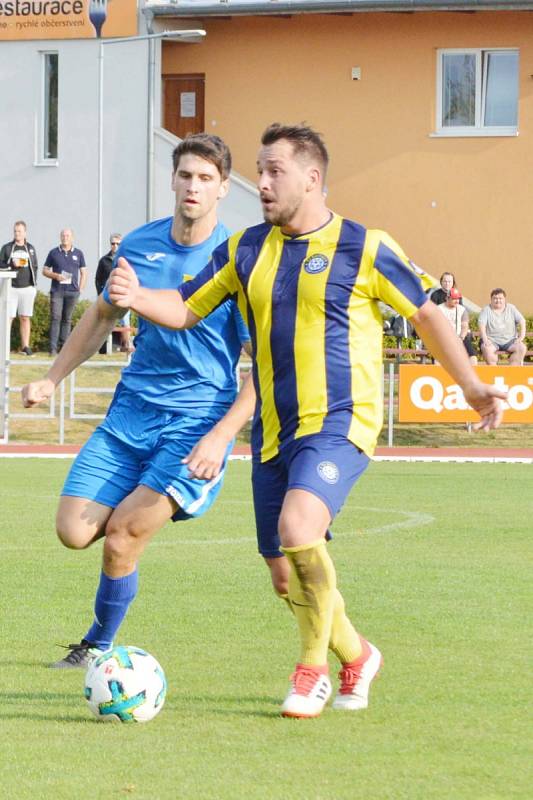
x=125, y=684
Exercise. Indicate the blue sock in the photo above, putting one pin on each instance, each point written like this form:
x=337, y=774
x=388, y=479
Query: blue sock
x=112, y=601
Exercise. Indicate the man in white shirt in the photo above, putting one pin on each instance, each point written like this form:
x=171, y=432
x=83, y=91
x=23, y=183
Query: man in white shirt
x=457, y=316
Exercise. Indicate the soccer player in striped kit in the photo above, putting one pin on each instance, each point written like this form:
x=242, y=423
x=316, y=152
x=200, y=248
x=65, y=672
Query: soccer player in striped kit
x=308, y=283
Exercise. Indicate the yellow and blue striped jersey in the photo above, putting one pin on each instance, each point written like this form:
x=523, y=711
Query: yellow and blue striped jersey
x=311, y=305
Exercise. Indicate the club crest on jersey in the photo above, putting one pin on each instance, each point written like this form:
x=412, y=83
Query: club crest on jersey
x=328, y=471
x=316, y=263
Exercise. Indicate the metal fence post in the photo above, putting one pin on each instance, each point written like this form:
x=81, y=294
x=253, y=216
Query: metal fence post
x=391, y=405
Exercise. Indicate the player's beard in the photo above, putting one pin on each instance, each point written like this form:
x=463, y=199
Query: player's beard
x=282, y=216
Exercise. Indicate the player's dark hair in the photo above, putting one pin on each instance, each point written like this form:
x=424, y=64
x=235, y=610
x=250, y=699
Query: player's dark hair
x=20, y=222
x=305, y=141
x=203, y=145
x=497, y=291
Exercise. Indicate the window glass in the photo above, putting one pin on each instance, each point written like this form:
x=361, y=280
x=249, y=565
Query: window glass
x=458, y=89
x=501, y=92
x=50, y=107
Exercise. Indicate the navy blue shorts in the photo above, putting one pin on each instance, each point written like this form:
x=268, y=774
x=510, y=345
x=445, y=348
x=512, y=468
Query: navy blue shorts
x=325, y=465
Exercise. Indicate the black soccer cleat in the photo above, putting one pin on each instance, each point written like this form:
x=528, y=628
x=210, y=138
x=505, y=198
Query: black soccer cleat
x=80, y=656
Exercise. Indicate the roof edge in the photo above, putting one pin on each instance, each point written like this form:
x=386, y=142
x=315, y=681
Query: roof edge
x=229, y=8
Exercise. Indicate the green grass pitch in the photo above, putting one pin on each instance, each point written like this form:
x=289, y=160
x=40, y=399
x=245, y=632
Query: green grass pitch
x=434, y=562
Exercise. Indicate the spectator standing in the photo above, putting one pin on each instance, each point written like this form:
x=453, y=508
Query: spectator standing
x=457, y=316
x=20, y=255
x=502, y=329
x=105, y=265
x=65, y=266
x=447, y=283
x=103, y=271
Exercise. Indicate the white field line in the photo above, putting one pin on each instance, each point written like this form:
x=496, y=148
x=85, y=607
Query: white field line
x=438, y=459
x=408, y=519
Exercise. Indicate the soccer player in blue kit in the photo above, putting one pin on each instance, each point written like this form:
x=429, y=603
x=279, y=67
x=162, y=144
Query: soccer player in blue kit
x=160, y=453
x=308, y=283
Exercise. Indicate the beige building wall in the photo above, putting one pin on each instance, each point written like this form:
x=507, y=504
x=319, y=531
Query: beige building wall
x=463, y=204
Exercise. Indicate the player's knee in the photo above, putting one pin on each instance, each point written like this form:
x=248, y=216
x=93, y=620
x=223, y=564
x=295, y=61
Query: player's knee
x=123, y=537
x=70, y=535
x=289, y=522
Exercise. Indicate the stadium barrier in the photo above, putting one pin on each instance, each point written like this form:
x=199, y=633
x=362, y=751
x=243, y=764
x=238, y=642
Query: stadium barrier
x=63, y=402
x=422, y=393
x=427, y=394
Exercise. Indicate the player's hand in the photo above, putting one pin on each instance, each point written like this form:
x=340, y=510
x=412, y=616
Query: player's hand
x=37, y=392
x=207, y=456
x=487, y=401
x=123, y=284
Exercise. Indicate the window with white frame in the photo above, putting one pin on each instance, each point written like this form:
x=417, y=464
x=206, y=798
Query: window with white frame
x=477, y=92
x=49, y=105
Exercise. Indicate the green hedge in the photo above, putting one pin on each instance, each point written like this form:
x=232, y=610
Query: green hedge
x=40, y=323
x=409, y=342
x=40, y=326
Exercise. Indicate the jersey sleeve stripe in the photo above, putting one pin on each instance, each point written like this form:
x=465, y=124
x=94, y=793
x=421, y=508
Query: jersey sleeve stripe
x=215, y=283
x=388, y=264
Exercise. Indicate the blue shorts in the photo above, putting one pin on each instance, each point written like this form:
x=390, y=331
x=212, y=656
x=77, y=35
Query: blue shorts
x=140, y=444
x=325, y=465
x=503, y=348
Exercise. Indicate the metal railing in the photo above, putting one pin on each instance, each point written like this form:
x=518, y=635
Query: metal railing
x=63, y=402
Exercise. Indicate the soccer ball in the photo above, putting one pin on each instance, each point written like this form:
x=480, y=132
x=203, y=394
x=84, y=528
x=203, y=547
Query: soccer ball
x=125, y=684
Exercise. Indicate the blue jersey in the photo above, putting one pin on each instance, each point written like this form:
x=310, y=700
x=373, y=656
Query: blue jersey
x=192, y=371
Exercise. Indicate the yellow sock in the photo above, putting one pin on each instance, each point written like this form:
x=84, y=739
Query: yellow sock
x=344, y=640
x=312, y=598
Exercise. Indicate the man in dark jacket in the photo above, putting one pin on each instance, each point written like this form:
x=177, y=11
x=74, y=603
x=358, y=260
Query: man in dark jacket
x=105, y=265
x=20, y=255
x=103, y=271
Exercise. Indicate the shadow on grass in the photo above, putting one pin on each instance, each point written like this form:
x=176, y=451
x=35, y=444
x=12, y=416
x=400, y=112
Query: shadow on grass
x=33, y=706
x=47, y=718
x=30, y=706
x=17, y=697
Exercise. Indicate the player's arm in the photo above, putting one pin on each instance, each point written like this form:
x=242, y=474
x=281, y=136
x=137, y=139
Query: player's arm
x=83, y=278
x=521, y=329
x=162, y=306
x=86, y=338
x=207, y=456
x=448, y=350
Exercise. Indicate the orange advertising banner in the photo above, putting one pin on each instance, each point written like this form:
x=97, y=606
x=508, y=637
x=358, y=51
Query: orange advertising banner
x=428, y=394
x=21, y=20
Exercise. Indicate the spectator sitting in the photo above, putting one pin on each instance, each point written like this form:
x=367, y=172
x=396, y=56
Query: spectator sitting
x=502, y=329
x=457, y=316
